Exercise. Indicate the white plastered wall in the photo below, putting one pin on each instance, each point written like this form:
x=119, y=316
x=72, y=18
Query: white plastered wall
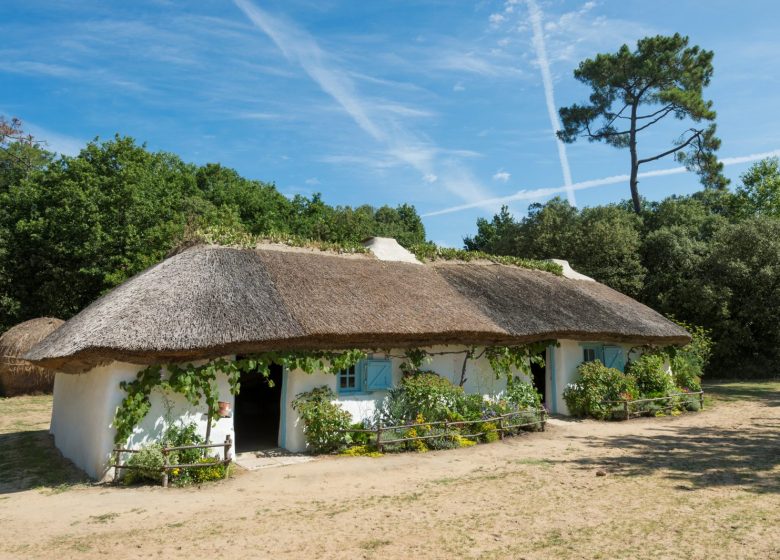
x=567, y=358
x=480, y=379
x=85, y=405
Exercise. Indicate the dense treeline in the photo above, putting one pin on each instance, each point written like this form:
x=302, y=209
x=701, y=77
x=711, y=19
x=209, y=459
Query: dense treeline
x=73, y=227
x=712, y=259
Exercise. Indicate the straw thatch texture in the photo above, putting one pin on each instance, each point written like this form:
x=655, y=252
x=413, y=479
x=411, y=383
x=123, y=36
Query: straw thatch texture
x=533, y=305
x=210, y=301
x=18, y=376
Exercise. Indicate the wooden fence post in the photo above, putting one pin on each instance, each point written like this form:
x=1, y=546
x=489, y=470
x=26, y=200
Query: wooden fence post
x=500, y=427
x=117, y=459
x=226, y=456
x=165, y=467
x=379, y=436
x=701, y=400
x=543, y=416
x=625, y=407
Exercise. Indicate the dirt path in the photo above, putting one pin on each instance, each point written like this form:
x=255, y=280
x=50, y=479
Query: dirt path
x=701, y=485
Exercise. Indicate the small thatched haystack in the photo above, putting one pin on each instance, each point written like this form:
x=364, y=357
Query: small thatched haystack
x=18, y=376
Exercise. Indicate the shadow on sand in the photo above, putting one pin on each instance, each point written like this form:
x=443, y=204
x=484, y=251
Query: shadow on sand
x=29, y=459
x=746, y=455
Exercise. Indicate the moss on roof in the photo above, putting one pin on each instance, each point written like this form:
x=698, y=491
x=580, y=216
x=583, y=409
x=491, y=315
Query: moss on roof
x=428, y=252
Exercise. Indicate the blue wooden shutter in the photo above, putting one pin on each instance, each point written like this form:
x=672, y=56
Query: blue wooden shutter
x=379, y=375
x=614, y=358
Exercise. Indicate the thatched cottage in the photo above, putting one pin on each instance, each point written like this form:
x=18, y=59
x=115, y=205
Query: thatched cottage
x=211, y=301
x=17, y=375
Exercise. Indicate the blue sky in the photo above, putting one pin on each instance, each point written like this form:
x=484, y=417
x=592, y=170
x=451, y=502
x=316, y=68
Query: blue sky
x=441, y=104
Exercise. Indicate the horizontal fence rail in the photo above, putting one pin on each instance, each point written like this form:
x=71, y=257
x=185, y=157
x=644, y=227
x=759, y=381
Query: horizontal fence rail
x=628, y=404
x=167, y=467
x=503, y=425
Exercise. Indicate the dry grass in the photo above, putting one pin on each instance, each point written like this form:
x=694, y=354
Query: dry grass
x=701, y=485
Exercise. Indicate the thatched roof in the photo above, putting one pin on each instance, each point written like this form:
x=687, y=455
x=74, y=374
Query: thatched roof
x=18, y=376
x=210, y=301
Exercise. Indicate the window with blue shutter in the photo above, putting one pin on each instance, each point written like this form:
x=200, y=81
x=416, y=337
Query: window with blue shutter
x=366, y=375
x=592, y=352
x=351, y=379
x=379, y=374
x=614, y=357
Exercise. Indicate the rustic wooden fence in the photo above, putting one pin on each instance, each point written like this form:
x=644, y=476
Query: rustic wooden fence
x=166, y=451
x=504, y=423
x=671, y=400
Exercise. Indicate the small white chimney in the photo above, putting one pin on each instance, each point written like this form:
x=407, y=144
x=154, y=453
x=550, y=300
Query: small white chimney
x=388, y=249
x=569, y=272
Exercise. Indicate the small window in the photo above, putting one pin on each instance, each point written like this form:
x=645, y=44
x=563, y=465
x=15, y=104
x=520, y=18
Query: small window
x=350, y=380
x=592, y=352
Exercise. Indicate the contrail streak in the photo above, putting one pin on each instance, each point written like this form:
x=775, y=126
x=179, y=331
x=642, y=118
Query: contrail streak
x=544, y=66
x=615, y=179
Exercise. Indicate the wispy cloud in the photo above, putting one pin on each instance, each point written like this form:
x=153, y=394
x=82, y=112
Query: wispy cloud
x=536, y=194
x=502, y=176
x=549, y=94
x=382, y=121
x=55, y=141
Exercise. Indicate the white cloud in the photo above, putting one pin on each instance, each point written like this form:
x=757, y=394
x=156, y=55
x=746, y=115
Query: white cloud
x=496, y=19
x=381, y=120
x=502, y=176
x=312, y=181
x=430, y=178
x=54, y=141
x=549, y=94
x=536, y=194
x=458, y=87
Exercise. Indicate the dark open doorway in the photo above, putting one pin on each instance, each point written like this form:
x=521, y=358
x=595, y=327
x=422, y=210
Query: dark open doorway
x=539, y=376
x=257, y=411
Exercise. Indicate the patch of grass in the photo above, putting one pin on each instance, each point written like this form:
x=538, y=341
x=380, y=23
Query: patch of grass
x=739, y=390
x=103, y=518
x=28, y=458
x=373, y=544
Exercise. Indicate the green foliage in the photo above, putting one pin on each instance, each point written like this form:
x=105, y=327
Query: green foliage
x=147, y=463
x=759, y=194
x=490, y=432
x=652, y=378
x=322, y=419
x=217, y=470
x=431, y=252
x=199, y=383
x=710, y=259
x=73, y=227
x=688, y=362
x=427, y=394
x=521, y=394
x=595, y=385
x=633, y=90
x=505, y=359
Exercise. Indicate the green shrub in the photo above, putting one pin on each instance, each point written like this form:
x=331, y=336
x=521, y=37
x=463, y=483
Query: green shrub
x=490, y=432
x=596, y=384
x=686, y=373
x=149, y=461
x=521, y=394
x=652, y=379
x=322, y=419
x=206, y=474
x=427, y=394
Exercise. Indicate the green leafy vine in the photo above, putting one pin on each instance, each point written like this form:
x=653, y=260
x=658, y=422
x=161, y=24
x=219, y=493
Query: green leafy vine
x=198, y=383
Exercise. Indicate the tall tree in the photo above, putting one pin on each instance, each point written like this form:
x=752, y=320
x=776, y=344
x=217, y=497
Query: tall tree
x=633, y=90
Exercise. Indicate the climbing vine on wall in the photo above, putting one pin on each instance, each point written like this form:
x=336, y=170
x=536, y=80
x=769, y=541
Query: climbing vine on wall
x=198, y=383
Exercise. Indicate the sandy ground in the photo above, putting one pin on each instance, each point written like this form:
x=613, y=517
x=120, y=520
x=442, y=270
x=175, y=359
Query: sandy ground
x=703, y=485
